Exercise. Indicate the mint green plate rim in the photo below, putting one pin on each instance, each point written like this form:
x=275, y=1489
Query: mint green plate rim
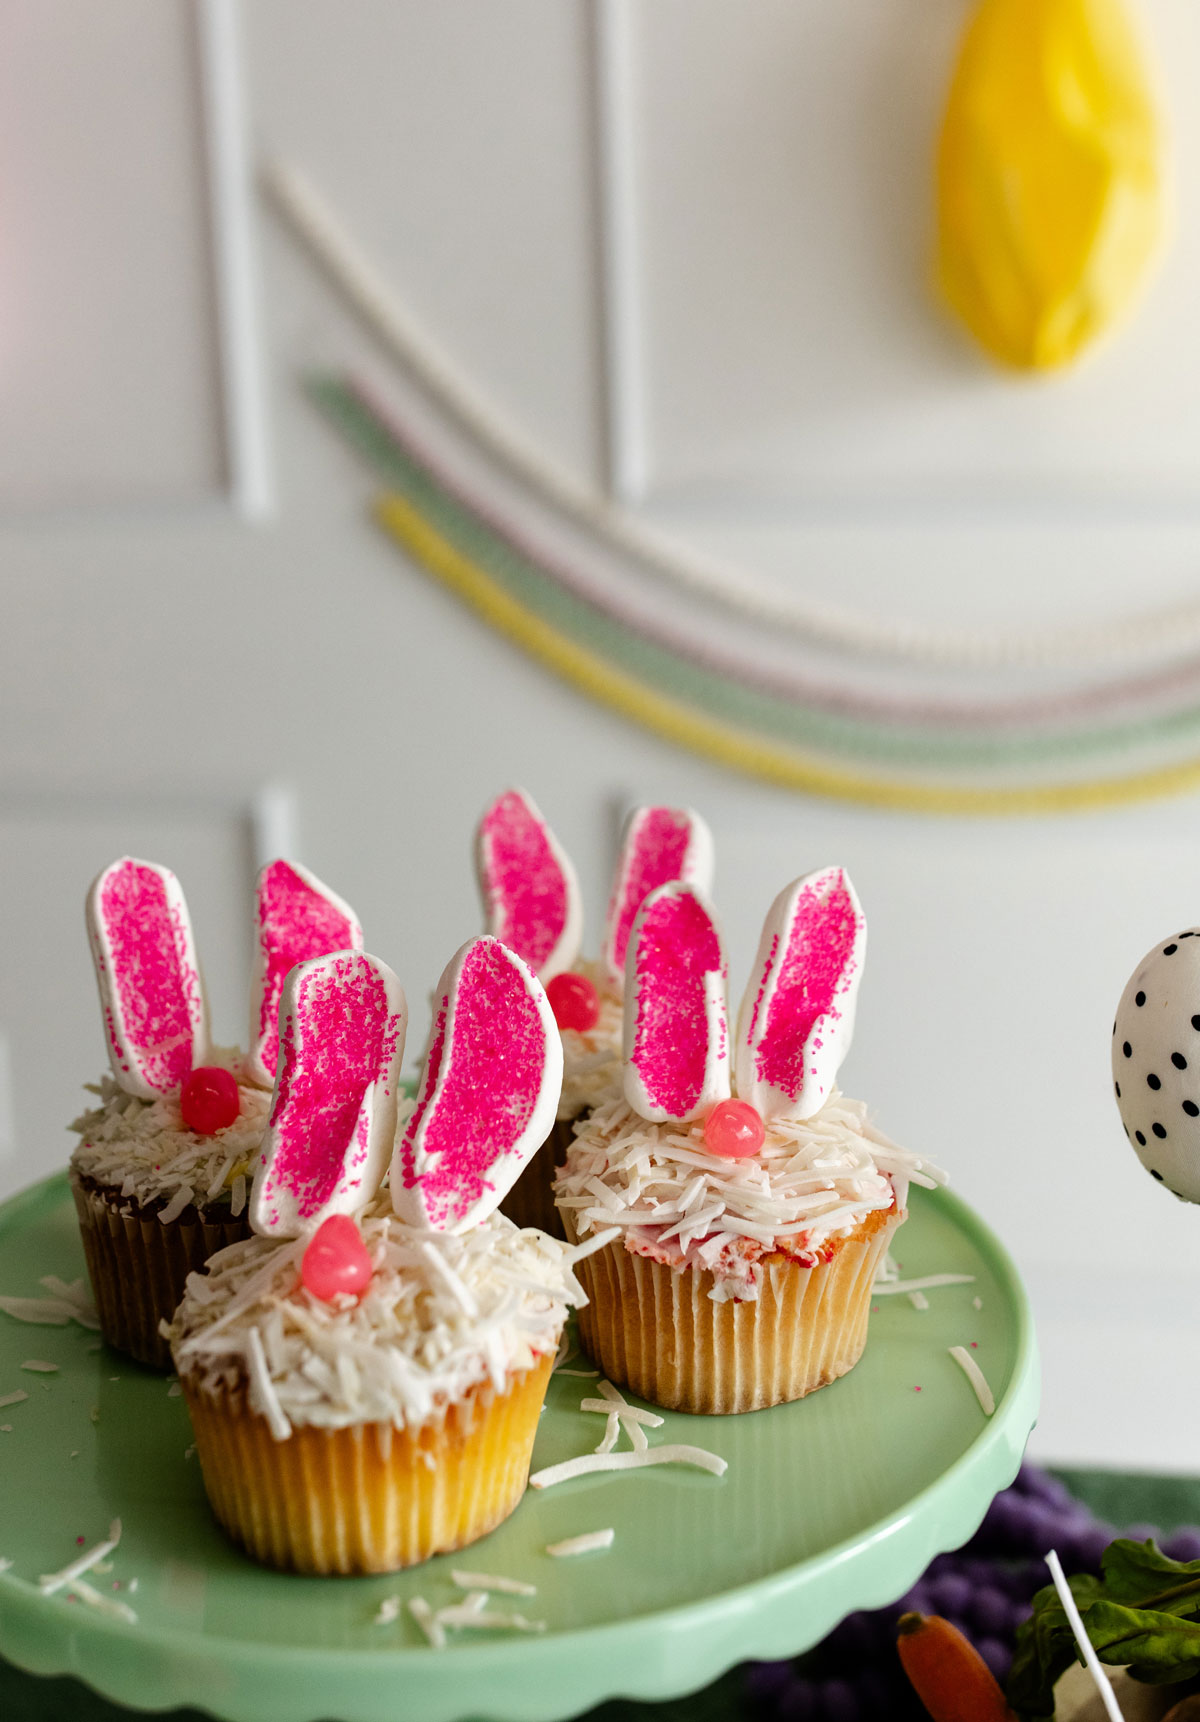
x=660, y=1654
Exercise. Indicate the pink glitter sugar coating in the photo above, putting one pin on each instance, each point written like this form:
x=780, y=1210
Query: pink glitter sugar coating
x=297, y=920
x=336, y=1260
x=483, y=1080
x=815, y=968
x=677, y=948
x=528, y=893
x=655, y=852
x=149, y=981
x=341, y=1037
x=734, y=1129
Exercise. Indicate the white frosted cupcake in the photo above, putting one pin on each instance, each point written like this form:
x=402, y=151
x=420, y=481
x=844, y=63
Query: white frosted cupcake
x=531, y=900
x=365, y=1375
x=752, y=1227
x=161, y=1171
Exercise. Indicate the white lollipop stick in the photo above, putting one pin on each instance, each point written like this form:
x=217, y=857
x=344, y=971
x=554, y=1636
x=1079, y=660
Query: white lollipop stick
x=333, y=1116
x=488, y=1095
x=530, y=893
x=676, y=1025
x=797, y=1016
x=298, y=918
x=659, y=844
x=151, y=993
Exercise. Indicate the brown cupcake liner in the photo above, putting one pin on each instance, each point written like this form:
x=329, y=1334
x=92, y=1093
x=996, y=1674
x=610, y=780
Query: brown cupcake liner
x=530, y=1202
x=370, y=1498
x=138, y=1266
x=655, y=1330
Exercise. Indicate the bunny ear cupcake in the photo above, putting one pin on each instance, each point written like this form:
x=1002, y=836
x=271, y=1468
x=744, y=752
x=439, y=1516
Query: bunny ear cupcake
x=531, y=901
x=365, y=1374
x=754, y=1211
x=162, y=1167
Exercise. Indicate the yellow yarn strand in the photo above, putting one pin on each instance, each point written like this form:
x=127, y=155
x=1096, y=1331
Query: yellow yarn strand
x=738, y=749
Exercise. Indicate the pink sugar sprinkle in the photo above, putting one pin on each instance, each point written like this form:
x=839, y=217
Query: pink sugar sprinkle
x=295, y=924
x=482, y=1082
x=152, y=973
x=814, y=969
x=527, y=895
x=339, y=1040
x=916, y=1390
x=678, y=947
x=80, y=1539
x=974, y=1345
x=656, y=852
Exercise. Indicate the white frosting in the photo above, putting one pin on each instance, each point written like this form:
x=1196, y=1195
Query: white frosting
x=141, y=1149
x=592, y=1068
x=809, y=1184
x=442, y=1314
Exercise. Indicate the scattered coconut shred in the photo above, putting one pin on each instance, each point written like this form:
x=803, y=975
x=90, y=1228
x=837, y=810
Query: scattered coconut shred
x=673, y=1201
x=621, y=1417
x=66, y=1303
x=70, y=1578
x=582, y=1545
x=976, y=1377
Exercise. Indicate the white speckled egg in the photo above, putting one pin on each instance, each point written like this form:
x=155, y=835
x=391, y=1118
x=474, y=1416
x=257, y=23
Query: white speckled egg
x=1156, y=1063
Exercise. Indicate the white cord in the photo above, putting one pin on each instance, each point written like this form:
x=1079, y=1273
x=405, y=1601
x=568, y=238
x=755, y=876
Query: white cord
x=353, y=273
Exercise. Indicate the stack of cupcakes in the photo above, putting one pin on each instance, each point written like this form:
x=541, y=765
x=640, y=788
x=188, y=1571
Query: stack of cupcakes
x=531, y=901
x=365, y=1373
x=752, y=1227
x=163, y=1164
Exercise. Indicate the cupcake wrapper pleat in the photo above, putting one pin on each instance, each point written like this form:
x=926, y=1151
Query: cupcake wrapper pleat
x=655, y=1330
x=138, y=1267
x=370, y=1498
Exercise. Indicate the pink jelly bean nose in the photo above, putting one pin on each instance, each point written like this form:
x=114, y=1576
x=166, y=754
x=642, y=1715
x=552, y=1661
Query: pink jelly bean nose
x=734, y=1129
x=336, y=1260
x=209, y=1100
x=574, y=1001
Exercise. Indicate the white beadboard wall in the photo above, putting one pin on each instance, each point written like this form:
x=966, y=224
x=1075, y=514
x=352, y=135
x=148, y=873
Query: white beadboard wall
x=172, y=680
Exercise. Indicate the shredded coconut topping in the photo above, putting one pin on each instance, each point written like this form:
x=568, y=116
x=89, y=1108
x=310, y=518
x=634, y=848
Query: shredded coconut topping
x=399, y=1354
x=142, y=1149
x=810, y=1183
x=592, y=1060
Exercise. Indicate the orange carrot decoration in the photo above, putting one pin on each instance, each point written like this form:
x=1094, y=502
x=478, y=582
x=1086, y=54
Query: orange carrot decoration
x=947, y=1673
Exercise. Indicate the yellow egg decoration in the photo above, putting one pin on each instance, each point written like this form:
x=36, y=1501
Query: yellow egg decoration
x=1051, y=201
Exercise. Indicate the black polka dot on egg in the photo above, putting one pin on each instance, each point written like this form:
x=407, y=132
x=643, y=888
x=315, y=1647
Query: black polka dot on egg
x=1196, y=1022
x=1141, y=1139
x=1179, y=1061
x=1170, y=950
x=1155, y=1174
x=1153, y=1081
x=1159, y=1131
x=1127, y=1050
x=1192, y=1110
x=1139, y=999
x=1117, y=1086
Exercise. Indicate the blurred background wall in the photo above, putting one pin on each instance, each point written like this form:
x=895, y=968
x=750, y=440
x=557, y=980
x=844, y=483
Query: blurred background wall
x=208, y=654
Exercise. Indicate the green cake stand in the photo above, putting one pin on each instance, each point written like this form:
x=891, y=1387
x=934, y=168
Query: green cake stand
x=832, y=1504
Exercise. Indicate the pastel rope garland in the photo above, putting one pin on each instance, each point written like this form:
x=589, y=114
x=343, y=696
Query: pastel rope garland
x=704, y=676
x=740, y=750
x=365, y=290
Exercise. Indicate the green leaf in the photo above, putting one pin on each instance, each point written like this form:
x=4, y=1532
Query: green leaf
x=1139, y=1573
x=1148, y=1637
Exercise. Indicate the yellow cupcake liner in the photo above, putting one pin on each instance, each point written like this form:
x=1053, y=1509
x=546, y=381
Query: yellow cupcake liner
x=370, y=1498
x=138, y=1266
x=655, y=1330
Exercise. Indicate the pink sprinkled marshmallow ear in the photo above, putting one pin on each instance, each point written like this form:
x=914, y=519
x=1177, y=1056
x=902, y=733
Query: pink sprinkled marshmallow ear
x=658, y=844
x=151, y=993
x=676, y=1025
x=530, y=892
x=298, y=918
x=797, y=1017
x=488, y=1094
x=342, y=1020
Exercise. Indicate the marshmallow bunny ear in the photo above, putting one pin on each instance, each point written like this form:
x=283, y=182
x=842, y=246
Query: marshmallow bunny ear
x=797, y=1017
x=658, y=844
x=530, y=892
x=676, y=1026
x=342, y=1020
x=488, y=1095
x=151, y=993
x=298, y=918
